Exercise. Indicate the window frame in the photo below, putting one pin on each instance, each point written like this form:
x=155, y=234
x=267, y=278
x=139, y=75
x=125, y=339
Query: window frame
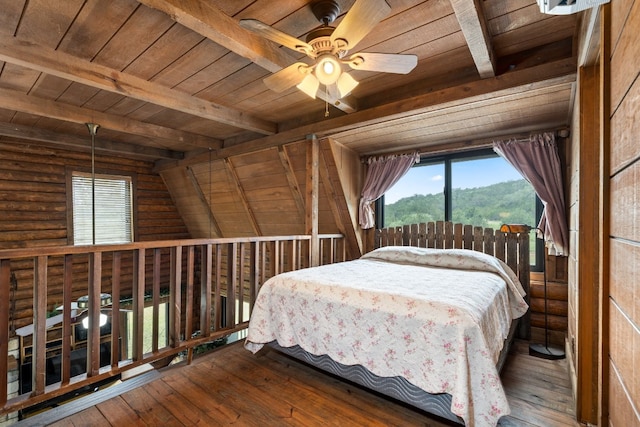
x=102, y=173
x=447, y=160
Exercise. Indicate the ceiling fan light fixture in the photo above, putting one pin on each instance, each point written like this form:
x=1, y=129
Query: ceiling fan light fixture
x=102, y=321
x=328, y=69
x=309, y=85
x=346, y=84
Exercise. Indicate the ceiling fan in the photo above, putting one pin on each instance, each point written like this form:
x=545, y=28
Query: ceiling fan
x=328, y=47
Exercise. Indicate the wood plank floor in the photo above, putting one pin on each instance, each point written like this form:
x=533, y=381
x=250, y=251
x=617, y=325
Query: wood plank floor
x=230, y=386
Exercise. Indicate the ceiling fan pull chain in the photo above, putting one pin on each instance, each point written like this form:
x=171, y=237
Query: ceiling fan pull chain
x=326, y=101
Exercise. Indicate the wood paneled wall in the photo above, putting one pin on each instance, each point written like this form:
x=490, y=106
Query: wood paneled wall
x=624, y=242
x=33, y=208
x=263, y=193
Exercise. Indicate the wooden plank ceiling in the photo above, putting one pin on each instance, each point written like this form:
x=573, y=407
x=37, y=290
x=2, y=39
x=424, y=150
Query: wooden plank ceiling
x=169, y=79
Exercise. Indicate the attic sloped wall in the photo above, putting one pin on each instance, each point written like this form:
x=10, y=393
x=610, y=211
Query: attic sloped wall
x=263, y=193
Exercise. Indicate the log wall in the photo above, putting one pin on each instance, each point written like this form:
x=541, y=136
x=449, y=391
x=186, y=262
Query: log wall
x=33, y=212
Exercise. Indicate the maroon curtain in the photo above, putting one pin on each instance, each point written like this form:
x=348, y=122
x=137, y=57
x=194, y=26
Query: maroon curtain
x=383, y=172
x=538, y=162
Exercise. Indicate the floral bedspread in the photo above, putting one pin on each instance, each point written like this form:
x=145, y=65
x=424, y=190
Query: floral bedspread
x=436, y=317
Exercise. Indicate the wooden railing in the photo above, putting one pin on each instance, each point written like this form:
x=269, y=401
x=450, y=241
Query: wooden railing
x=205, y=287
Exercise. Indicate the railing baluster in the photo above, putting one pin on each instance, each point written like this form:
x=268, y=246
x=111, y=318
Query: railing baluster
x=67, y=284
x=188, y=308
x=138, y=303
x=205, y=291
x=232, y=277
x=157, y=254
x=116, y=344
x=175, y=290
x=254, y=279
x=241, y=284
x=217, y=309
x=93, y=335
x=38, y=373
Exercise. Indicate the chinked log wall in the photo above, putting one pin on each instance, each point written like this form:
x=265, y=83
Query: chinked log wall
x=447, y=235
x=34, y=210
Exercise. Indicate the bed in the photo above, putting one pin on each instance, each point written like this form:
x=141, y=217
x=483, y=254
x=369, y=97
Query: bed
x=427, y=326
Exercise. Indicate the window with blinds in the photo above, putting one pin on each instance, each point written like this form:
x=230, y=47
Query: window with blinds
x=113, y=209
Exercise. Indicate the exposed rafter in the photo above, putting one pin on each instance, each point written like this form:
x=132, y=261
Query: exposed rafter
x=474, y=27
x=69, y=67
x=210, y=22
x=561, y=72
x=80, y=143
x=13, y=100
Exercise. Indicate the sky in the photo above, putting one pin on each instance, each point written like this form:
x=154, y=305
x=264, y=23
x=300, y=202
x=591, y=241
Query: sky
x=467, y=174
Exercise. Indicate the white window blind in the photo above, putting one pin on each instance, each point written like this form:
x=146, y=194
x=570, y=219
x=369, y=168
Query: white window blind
x=113, y=216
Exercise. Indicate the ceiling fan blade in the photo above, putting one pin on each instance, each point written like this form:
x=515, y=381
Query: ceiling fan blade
x=287, y=77
x=358, y=22
x=277, y=36
x=383, y=62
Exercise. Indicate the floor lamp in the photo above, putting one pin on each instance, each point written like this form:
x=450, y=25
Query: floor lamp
x=544, y=351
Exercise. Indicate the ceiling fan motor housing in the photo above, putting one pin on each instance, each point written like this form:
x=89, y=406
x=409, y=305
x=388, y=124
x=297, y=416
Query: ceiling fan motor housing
x=326, y=11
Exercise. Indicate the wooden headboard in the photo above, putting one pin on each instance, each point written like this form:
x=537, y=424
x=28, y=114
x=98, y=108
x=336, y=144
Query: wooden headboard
x=510, y=247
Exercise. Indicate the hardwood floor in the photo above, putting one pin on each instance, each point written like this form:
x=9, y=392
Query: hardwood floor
x=232, y=386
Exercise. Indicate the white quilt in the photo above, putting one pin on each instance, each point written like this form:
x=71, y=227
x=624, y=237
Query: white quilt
x=435, y=317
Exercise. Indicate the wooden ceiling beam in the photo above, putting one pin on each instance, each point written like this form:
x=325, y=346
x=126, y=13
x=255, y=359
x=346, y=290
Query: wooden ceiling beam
x=79, y=143
x=551, y=74
x=65, y=66
x=13, y=100
x=470, y=15
x=209, y=21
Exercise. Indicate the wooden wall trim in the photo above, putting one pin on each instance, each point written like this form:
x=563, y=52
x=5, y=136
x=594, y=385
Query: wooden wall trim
x=587, y=353
x=312, y=195
x=604, y=215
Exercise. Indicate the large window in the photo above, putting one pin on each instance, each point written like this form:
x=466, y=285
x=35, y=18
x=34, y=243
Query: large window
x=478, y=188
x=113, y=219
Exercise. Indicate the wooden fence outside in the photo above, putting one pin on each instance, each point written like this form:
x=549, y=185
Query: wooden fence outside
x=512, y=248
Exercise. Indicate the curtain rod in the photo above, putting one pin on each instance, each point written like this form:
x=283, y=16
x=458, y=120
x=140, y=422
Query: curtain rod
x=465, y=145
